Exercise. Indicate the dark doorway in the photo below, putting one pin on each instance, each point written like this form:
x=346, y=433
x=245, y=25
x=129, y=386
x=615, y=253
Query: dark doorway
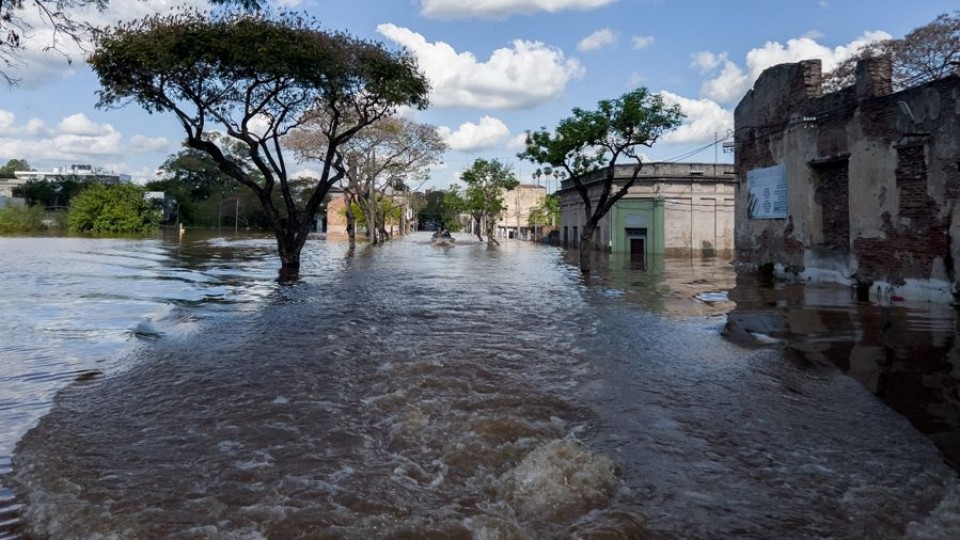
x=638, y=253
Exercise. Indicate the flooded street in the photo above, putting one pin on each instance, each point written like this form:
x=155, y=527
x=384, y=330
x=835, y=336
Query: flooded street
x=165, y=389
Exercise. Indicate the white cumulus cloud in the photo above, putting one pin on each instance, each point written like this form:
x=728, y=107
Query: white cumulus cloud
x=74, y=139
x=732, y=81
x=489, y=134
x=729, y=85
x=499, y=9
x=142, y=143
x=705, y=61
x=597, y=40
x=519, y=77
x=79, y=124
x=705, y=119
x=9, y=126
x=642, y=42
x=7, y=120
x=50, y=57
x=517, y=142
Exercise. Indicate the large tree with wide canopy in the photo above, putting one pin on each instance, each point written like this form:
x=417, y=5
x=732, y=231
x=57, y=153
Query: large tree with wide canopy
x=254, y=76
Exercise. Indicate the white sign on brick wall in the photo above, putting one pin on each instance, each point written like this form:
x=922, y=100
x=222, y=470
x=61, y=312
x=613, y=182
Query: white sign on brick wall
x=767, y=193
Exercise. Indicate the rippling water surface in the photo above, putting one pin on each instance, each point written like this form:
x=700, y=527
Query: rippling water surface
x=411, y=391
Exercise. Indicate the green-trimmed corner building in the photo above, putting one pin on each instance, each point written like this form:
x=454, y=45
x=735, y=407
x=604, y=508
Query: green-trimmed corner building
x=672, y=209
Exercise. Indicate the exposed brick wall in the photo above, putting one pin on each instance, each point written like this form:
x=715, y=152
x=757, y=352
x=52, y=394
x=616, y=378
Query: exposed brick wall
x=908, y=143
x=911, y=246
x=912, y=184
x=833, y=196
x=878, y=118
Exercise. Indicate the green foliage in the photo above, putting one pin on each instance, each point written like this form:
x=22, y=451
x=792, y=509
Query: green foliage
x=452, y=205
x=588, y=141
x=112, y=209
x=226, y=62
x=25, y=219
x=257, y=75
x=195, y=174
x=486, y=181
x=387, y=210
x=203, y=191
x=49, y=192
x=438, y=208
x=546, y=213
x=10, y=167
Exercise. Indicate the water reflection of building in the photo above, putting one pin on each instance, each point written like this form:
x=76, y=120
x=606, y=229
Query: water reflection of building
x=906, y=353
x=672, y=209
x=858, y=186
x=671, y=286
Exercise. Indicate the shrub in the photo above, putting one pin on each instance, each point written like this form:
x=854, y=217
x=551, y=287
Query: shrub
x=115, y=208
x=24, y=219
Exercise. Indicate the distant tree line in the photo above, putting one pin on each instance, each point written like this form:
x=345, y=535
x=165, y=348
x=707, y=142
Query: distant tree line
x=92, y=207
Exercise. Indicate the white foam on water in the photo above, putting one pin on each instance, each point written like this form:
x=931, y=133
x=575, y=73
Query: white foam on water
x=228, y=447
x=943, y=523
x=562, y=478
x=260, y=458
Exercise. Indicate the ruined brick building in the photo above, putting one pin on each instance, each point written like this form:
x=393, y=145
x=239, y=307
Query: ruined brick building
x=858, y=186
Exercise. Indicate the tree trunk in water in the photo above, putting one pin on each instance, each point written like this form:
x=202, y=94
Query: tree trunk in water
x=289, y=249
x=476, y=229
x=490, y=239
x=586, y=247
x=351, y=225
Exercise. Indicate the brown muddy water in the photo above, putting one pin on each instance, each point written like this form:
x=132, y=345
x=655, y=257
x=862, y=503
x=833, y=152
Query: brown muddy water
x=171, y=389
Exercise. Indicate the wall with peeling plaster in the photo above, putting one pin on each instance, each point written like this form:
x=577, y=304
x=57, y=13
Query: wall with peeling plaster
x=873, y=180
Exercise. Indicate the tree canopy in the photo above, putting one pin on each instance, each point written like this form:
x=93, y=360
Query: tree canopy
x=486, y=180
x=49, y=193
x=385, y=156
x=254, y=77
x=196, y=174
x=112, y=209
x=927, y=53
x=589, y=142
x=12, y=166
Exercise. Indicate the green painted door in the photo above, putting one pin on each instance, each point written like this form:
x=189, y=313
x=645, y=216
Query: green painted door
x=635, y=219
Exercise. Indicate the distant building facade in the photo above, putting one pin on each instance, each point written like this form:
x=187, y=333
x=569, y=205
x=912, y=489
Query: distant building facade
x=333, y=220
x=671, y=209
x=80, y=172
x=514, y=221
x=859, y=186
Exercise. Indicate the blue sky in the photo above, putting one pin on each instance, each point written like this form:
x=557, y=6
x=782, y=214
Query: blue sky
x=498, y=68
